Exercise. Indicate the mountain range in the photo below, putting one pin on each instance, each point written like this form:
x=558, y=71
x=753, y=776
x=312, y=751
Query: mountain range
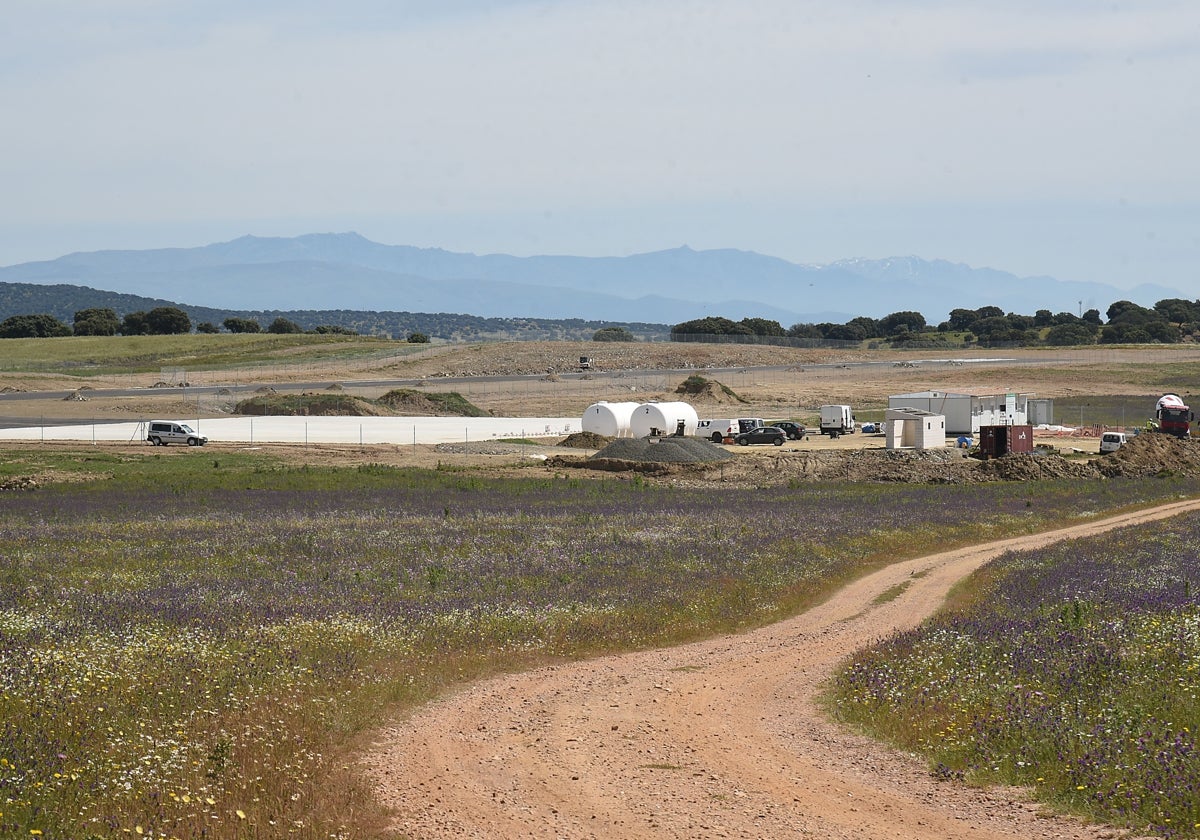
x=345, y=271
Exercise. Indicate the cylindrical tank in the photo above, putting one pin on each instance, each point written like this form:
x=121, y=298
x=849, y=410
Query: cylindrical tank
x=663, y=418
x=1170, y=401
x=609, y=419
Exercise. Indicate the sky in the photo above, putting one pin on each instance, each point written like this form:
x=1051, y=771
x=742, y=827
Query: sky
x=1040, y=137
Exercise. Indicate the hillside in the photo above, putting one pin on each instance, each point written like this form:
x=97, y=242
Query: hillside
x=63, y=300
x=323, y=272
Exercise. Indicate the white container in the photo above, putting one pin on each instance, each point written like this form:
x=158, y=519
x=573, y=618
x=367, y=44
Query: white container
x=609, y=419
x=663, y=418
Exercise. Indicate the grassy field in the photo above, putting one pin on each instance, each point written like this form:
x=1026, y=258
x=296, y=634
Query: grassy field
x=195, y=646
x=192, y=647
x=1074, y=671
x=88, y=356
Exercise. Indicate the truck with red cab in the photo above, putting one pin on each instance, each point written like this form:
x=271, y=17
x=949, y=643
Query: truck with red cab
x=1173, y=415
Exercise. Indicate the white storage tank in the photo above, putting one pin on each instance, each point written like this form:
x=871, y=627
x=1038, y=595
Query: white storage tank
x=663, y=418
x=609, y=419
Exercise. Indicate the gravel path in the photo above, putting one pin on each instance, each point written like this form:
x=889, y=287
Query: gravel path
x=722, y=738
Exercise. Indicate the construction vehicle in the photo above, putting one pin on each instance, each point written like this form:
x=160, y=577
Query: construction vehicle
x=1173, y=415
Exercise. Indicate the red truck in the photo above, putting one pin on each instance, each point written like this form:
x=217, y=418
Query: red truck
x=1173, y=415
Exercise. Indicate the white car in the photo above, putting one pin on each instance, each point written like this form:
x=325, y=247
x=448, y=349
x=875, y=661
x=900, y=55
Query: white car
x=164, y=432
x=1111, y=441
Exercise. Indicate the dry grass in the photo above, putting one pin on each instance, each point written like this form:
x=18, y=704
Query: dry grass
x=540, y=379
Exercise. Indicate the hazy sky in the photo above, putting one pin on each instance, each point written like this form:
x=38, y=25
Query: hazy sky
x=1035, y=136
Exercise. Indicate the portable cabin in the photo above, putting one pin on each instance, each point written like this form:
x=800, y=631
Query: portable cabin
x=912, y=428
x=966, y=413
x=1041, y=412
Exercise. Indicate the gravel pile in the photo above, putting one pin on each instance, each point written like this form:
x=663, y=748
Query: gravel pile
x=668, y=450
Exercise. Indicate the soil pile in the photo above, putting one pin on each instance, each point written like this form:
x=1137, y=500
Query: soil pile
x=637, y=454
x=308, y=405
x=585, y=440
x=707, y=390
x=1032, y=467
x=904, y=466
x=411, y=403
x=1152, y=453
x=933, y=466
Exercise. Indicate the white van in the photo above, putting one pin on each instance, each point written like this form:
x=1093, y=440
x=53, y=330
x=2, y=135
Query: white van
x=837, y=420
x=164, y=432
x=1111, y=442
x=719, y=430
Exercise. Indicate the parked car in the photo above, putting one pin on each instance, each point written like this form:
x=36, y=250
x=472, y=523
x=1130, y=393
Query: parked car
x=718, y=430
x=763, y=434
x=794, y=431
x=1111, y=442
x=163, y=432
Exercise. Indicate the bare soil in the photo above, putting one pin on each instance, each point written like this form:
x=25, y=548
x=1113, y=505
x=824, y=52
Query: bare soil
x=798, y=382
x=722, y=738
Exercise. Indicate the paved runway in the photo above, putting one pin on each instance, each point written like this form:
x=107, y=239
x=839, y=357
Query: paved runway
x=352, y=430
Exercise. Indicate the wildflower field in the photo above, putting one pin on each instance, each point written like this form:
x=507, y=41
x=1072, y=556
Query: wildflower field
x=1074, y=670
x=196, y=648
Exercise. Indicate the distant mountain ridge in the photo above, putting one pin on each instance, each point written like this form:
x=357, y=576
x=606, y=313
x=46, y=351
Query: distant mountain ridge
x=329, y=271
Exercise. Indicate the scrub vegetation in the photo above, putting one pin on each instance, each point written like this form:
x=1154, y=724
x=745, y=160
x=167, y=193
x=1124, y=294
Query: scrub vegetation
x=406, y=402
x=1073, y=670
x=193, y=650
x=87, y=356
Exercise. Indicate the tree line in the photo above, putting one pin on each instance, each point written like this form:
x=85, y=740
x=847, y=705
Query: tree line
x=161, y=320
x=62, y=301
x=1169, y=321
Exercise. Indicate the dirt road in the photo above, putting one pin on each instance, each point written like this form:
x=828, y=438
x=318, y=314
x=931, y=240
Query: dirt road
x=722, y=738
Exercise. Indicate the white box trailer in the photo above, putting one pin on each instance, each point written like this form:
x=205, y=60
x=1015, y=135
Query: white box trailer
x=837, y=420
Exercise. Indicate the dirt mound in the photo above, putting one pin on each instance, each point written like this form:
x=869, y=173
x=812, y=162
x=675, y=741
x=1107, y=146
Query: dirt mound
x=408, y=402
x=334, y=386
x=1152, y=453
x=707, y=390
x=668, y=450
x=1032, y=467
x=873, y=465
x=310, y=405
x=585, y=440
